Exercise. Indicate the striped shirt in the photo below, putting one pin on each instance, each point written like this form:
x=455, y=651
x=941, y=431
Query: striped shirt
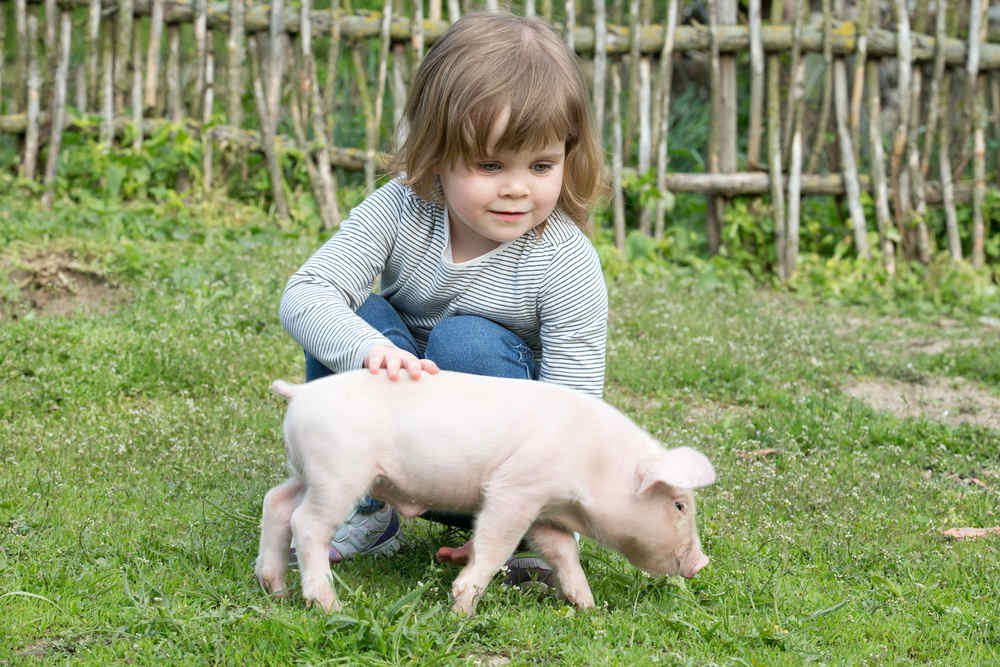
x=548, y=289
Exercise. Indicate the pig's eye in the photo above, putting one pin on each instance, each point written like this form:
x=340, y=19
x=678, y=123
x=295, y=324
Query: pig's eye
x=680, y=507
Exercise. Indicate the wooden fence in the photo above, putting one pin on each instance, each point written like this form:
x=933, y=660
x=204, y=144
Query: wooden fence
x=934, y=69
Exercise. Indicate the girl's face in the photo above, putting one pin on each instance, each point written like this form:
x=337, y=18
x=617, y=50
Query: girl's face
x=501, y=196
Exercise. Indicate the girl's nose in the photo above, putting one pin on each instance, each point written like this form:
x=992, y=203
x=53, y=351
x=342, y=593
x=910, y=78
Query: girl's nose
x=514, y=187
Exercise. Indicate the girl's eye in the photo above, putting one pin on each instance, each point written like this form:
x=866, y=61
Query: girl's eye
x=680, y=507
x=541, y=167
x=489, y=167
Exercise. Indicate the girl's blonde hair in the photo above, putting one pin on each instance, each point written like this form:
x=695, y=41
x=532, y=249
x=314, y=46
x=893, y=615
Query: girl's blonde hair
x=483, y=65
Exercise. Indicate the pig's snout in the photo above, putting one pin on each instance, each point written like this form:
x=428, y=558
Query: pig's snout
x=699, y=562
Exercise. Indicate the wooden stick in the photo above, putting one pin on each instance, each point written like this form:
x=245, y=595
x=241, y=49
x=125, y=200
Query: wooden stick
x=847, y=164
x=663, y=127
x=944, y=144
x=795, y=149
x=995, y=105
x=3, y=50
x=794, y=201
x=756, y=85
x=859, y=76
x=734, y=39
x=913, y=149
x=417, y=30
x=600, y=63
x=977, y=32
x=34, y=97
x=965, y=141
x=58, y=113
x=333, y=54
x=774, y=147
x=275, y=63
x=200, y=45
x=107, y=87
x=630, y=110
x=880, y=187
x=947, y=191
x=175, y=103
x=899, y=178
x=824, y=113
x=796, y=89
x=268, y=138
x=297, y=104
x=398, y=86
x=153, y=54
x=91, y=51
x=933, y=97
x=645, y=161
x=235, y=49
x=713, y=209
x=207, y=109
x=312, y=105
x=80, y=87
x=374, y=118
x=570, y=24
x=616, y=157
x=123, y=49
x=20, y=73
x=137, y=88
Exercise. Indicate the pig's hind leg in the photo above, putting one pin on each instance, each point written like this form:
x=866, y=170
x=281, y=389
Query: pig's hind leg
x=559, y=548
x=275, y=535
x=313, y=523
x=500, y=525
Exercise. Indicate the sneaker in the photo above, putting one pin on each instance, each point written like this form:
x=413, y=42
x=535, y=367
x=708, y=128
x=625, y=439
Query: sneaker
x=375, y=534
x=527, y=570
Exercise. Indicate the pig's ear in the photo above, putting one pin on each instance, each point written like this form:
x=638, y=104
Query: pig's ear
x=682, y=467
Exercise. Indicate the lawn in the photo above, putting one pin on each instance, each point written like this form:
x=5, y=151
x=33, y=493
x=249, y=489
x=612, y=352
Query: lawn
x=138, y=438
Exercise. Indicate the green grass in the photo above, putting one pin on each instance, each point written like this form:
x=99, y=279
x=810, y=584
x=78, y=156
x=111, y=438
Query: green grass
x=138, y=439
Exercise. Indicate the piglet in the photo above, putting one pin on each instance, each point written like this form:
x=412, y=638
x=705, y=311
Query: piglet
x=527, y=458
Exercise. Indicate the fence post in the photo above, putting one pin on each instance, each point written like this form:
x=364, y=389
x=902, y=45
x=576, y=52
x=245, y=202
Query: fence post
x=722, y=147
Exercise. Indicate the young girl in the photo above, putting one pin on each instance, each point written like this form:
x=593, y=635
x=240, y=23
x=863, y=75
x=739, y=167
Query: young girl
x=480, y=240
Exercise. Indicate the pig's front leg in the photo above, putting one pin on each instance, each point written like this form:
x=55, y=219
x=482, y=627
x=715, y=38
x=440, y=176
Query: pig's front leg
x=560, y=550
x=275, y=536
x=499, y=526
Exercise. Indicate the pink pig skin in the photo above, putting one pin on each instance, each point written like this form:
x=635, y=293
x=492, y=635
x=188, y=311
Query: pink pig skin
x=528, y=458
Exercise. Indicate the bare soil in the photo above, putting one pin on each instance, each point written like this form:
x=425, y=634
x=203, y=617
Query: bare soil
x=948, y=400
x=54, y=283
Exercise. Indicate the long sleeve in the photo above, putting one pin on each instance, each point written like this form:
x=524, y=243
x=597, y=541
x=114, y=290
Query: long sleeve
x=319, y=302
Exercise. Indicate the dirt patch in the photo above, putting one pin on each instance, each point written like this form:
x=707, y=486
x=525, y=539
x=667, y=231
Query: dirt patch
x=948, y=400
x=58, y=284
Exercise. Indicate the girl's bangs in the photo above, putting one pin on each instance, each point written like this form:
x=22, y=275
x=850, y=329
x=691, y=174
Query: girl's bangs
x=544, y=109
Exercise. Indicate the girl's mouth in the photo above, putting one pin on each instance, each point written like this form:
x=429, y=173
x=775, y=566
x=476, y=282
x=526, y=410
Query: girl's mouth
x=509, y=215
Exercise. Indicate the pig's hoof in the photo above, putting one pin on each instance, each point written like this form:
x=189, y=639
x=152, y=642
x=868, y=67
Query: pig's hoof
x=464, y=607
x=465, y=599
x=580, y=599
x=328, y=606
x=274, y=584
x=322, y=596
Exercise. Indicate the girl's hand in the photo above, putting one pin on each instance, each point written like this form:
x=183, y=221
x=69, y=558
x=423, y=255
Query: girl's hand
x=392, y=358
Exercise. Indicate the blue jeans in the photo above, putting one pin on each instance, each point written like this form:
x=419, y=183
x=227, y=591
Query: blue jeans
x=464, y=343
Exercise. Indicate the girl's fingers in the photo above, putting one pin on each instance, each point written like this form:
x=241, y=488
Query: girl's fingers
x=392, y=365
x=413, y=366
x=375, y=360
x=429, y=366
